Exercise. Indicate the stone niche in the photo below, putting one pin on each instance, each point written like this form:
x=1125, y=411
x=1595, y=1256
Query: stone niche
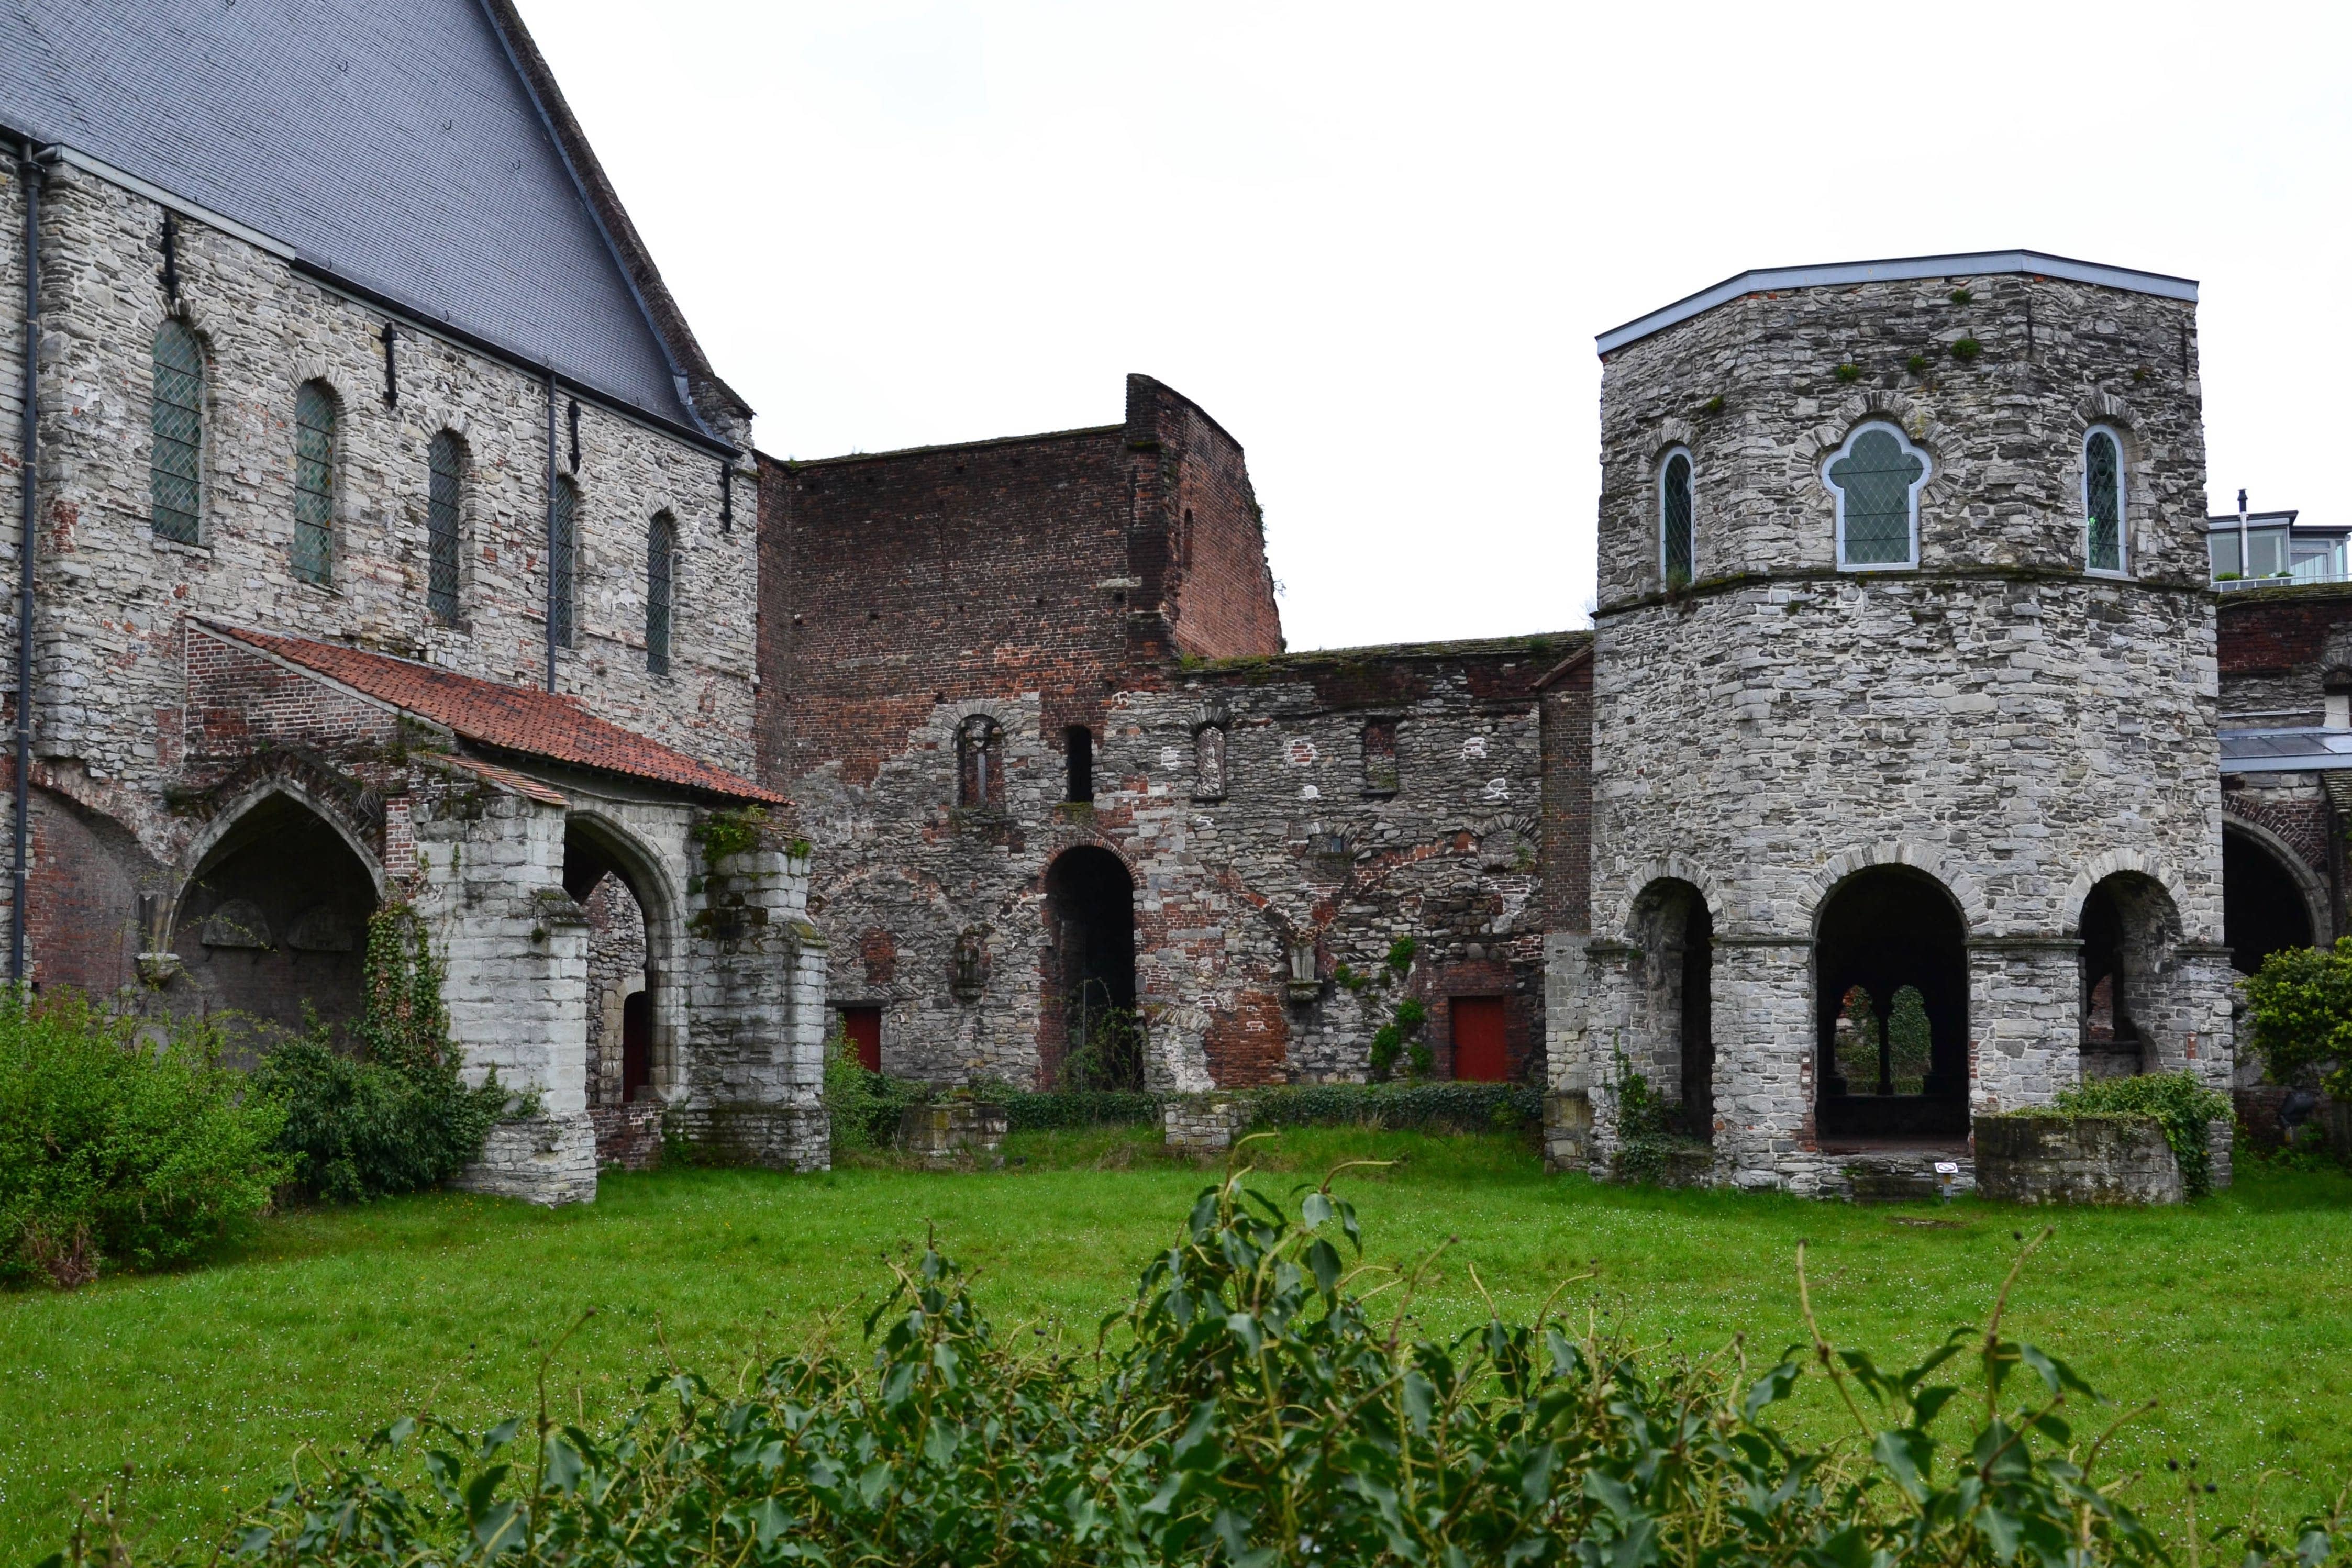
x=2075, y=1159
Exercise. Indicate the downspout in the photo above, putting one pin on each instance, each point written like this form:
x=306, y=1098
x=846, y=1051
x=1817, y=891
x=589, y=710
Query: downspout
x=551, y=530
x=29, y=172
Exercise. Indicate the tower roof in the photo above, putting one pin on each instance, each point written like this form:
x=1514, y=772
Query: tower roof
x=415, y=150
x=1971, y=264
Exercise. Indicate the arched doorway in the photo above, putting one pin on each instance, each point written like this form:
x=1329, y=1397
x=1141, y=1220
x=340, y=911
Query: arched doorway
x=1092, y=1036
x=2129, y=928
x=2264, y=907
x=1674, y=933
x=1891, y=1009
x=274, y=922
x=627, y=933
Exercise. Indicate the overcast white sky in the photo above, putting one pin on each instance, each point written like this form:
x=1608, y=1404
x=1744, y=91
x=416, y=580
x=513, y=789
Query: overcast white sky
x=1376, y=243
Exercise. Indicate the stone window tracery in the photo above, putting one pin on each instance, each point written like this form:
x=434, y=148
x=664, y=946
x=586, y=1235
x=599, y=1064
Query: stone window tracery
x=661, y=560
x=314, y=483
x=1677, y=548
x=2103, y=500
x=175, y=468
x=1875, y=477
x=445, y=460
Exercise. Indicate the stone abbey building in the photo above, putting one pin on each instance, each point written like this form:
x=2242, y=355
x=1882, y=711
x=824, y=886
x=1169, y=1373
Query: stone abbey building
x=1913, y=766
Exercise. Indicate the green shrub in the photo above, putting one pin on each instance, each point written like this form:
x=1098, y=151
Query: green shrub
x=1430, y=1107
x=1262, y=1408
x=396, y=1116
x=120, y=1151
x=2177, y=1102
x=1063, y=1108
x=2299, y=1015
x=864, y=1106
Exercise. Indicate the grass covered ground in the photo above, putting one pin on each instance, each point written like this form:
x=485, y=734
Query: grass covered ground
x=2235, y=1314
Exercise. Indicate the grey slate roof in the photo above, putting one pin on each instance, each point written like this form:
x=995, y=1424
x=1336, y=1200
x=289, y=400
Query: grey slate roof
x=390, y=143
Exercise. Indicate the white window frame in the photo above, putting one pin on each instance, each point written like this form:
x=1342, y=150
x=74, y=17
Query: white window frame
x=1926, y=472
x=2123, y=504
x=1666, y=461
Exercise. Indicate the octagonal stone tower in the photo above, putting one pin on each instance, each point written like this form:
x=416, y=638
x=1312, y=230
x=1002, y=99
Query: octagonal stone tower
x=1906, y=798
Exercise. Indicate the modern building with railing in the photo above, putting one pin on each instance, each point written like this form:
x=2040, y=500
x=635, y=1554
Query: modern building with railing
x=2265, y=549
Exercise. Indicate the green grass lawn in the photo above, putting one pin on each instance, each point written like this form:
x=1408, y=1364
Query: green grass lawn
x=2236, y=1313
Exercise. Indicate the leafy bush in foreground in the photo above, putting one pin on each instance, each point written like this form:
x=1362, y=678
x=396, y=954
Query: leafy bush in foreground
x=120, y=1151
x=398, y=1116
x=1262, y=1407
x=2299, y=1015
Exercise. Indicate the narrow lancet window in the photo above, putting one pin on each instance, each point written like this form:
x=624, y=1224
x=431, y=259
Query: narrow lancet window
x=1676, y=548
x=1078, y=753
x=2103, y=501
x=175, y=483
x=563, y=552
x=445, y=460
x=314, y=483
x=661, y=560
x=980, y=774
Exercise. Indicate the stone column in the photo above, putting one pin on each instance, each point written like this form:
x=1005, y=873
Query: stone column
x=1612, y=1017
x=755, y=1013
x=1568, y=1051
x=1764, y=1063
x=2025, y=1021
x=489, y=863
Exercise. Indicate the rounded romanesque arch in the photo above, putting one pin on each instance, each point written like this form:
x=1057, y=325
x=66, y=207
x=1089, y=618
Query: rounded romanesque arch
x=1961, y=888
x=634, y=919
x=2117, y=863
x=1891, y=1006
x=1089, y=1023
x=1673, y=929
x=2270, y=898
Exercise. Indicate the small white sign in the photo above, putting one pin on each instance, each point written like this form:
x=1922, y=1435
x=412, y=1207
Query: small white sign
x=1948, y=1167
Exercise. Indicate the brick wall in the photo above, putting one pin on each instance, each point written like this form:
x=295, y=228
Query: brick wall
x=2276, y=645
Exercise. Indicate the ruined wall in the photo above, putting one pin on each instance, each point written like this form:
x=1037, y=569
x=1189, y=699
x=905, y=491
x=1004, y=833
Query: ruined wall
x=2278, y=646
x=1295, y=845
x=1996, y=717
x=114, y=596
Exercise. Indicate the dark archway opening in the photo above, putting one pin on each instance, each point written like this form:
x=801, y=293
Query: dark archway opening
x=1891, y=1009
x=1671, y=926
x=1094, y=1039
x=622, y=978
x=2111, y=1042
x=2263, y=908
x=275, y=921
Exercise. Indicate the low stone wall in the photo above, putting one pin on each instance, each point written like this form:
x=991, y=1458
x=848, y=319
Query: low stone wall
x=1203, y=1123
x=629, y=1136
x=1566, y=1131
x=549, y=1160
x=2077, y=1159
x=947, y=1133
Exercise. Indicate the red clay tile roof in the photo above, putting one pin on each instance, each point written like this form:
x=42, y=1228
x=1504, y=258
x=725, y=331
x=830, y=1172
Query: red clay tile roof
x=522, y=784
x=511, y=718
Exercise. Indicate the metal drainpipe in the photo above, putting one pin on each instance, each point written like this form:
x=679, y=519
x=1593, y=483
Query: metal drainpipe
x=29, y=172
x=551, y=530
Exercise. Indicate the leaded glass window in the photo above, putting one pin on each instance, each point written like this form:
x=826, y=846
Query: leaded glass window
x=1875, y=481
x=1675, y=519
x=175, y=472
x=314, y=483
x=661, y=559
x=563, y=552
x=445, y=458
x=2103, y=501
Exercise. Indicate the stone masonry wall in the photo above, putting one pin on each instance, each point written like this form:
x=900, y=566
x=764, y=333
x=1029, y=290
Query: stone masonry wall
x=1998, y=718
x=113, y=597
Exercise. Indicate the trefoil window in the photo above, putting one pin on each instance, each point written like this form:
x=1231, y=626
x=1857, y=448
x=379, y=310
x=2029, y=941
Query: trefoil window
x=1876, y=477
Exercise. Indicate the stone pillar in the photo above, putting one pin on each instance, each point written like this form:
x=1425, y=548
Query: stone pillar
x=755, y=1013
x=1203, y=1123
x=1764, y=1063
x=1568, y=1053
x=2025, y=1022
x=2201, y=989
x=490, y=890
x=1612, y=1021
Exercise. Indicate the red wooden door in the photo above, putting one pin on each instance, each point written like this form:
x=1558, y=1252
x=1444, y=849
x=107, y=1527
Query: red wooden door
x=864, y=1028
x=1479, y=1055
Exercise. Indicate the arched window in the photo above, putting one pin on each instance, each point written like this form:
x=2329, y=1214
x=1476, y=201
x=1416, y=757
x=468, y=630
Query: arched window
x=1876, y=477
x=1676, y=550
x=979, y=771
x=446, y=459
x=2103, y=500
x=1209, y=762
x=661, y=560
x=563, y=552
x=175, y=470
x=314, y=483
